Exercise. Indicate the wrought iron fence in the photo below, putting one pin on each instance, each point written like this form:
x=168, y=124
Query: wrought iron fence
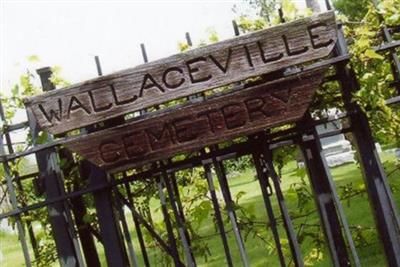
x=113, y=195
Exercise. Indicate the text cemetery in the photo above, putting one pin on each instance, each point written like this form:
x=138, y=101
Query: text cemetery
x=195, y=125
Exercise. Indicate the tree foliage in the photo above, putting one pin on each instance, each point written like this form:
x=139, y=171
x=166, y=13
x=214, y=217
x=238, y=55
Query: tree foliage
x=374, y=74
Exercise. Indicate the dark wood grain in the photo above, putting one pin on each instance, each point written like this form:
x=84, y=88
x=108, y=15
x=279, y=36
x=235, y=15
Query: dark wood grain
x=195, y=125
x=185, y=74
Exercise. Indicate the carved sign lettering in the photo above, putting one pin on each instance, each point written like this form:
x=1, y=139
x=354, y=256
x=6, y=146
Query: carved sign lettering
x=164, y=134
x=185, y=74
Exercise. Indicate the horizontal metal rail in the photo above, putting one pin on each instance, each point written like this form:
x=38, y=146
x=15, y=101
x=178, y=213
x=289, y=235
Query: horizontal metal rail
x=234, y=151
x=393, y=100
x=387, y=46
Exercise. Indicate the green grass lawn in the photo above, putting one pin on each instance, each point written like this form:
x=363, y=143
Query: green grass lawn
x=357, y=212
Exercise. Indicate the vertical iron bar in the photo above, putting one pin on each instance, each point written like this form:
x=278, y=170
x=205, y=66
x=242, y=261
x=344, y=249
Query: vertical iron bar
x=84, y=230
x=290, y=232
x=127, y=235
x=114, y=247
x=339, y=207
x=77, y=204
x=59, y=213
x=217, y=213
x=380, y=196
x=20, y=187
x=265, y=187
x=14, y=203
x=262, y=178
x=168, y=224
x=319, y=179
x=185, y=243
x=144, y=53
x=150, y=229
x=138, y=229
x=145, y=60
x=13, y=196
x=88, y=243
x=98, y=66
x=188, y=39
x=281, y=17
x=219, y=169
x=295, y=249
x=178, y=201
x=177, y=196
x=190, y=44
x=394, y=62
x=266, y=158
x=109, y=229
x=328, y=5
x=235, y=28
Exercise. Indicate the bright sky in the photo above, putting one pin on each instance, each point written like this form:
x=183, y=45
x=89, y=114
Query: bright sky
x=70, y=33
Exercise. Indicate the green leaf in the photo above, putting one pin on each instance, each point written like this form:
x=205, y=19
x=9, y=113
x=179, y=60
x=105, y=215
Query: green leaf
x=87, y=218
x=183, y=46
x=33, y=58
x=15, y=90
x=42, y=137
x=372, y=54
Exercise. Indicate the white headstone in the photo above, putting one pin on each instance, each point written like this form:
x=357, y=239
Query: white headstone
x=337, y=149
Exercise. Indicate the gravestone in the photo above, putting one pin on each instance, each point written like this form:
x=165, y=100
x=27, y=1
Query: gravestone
x=337, y=149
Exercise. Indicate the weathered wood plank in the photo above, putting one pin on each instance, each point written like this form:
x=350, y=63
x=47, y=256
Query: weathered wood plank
x=185, y=74
x=195, y=125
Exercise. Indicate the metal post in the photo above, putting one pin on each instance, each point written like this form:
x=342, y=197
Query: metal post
x=85, y=236
x=394, y=59
x=290, y=232
x=144, y=53
x=266, y=161
x=13, y=197
x=168, y=249
x=98, y=65
x=181, y=228
x=131, y=251
x=168, y=224
x=188, y=39
x=379, y=192
x=59, y=213
x=137, y=227
x=175, y=188
x=190, y=44
x=220, y=171
x=217, y=213
x=109, y=229
x=324, y=195
x=79, y=211
x=108, y=220
x=266, y=191
x=20, y=187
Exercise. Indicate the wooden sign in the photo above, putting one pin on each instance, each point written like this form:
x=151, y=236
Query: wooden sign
x=165, y=133
x=185, y=74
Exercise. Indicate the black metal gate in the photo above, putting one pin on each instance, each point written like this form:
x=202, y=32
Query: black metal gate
x=112, y=195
